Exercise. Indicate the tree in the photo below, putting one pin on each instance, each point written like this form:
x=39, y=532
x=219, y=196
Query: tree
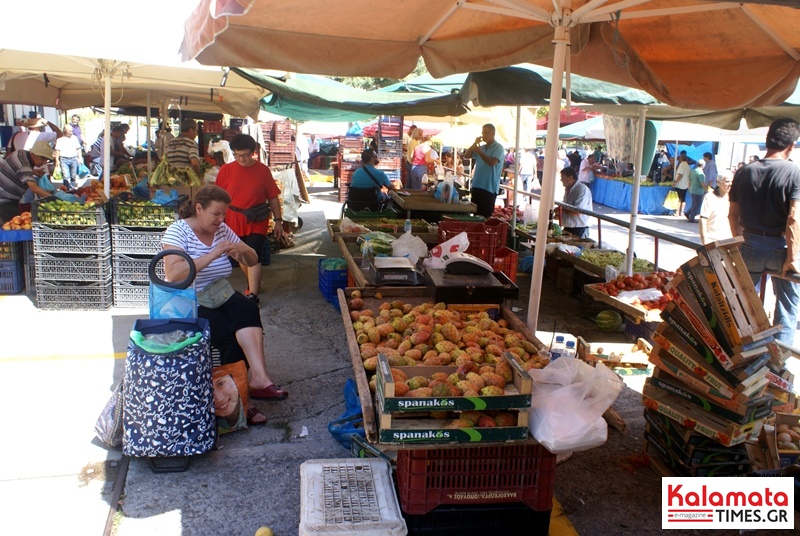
x=368, y=83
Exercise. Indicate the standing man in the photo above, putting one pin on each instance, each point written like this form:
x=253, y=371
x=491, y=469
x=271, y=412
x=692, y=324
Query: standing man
x=182, y=151
x=681, y=183
x=17, y=177
x=68, y=156
x=697, y=189
x=578, y=195
x=587, y=169
x=710, y=170
x=527, y=167
x=250, y=184
x=36, y=132
x=765, y=210
x=75, y=121
x=488, y=169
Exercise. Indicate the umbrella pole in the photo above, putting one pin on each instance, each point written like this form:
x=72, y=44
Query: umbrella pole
x=516, y=175
x=637, y=179
x=107, y=135
x=149, y=145
x=561, y=41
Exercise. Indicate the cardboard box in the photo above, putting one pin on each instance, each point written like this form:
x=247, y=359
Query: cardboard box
x=725, y=432
x=694, y=455
x=399, y=429
x=517, y=393
x=682, y=436
x=674, y=463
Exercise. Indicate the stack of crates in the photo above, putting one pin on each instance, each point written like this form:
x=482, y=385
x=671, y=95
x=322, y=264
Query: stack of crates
x=12, y=277
x=136, y=232
x=280, y=147
x=349, y=158
x=390, y=146
x=72, y=255
x=29, y=261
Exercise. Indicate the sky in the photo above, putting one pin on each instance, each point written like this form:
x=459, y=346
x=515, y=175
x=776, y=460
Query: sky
x=144, y=31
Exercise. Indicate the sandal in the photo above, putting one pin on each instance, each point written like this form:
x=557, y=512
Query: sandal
x=254, y=417
x=269, y=393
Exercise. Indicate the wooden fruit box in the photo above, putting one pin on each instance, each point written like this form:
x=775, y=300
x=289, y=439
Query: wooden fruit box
x=637, y=313
x=787, y=456
x=517, y=394
x=419, y=228
x=616, y=355
x=414, y=296
x=396, y=428
x=725, y=432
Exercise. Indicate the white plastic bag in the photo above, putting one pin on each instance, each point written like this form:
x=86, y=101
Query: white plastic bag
x=409, y=246
x=531, y=213
x=349, y=226
x=567, y=405
x=458, y=243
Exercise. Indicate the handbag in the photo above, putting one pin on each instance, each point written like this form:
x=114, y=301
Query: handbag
x=254, y=214
x=215, y=294
x=109, y=424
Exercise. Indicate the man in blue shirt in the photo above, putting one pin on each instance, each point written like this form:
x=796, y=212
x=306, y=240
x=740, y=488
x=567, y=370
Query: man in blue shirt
x=710, y=170
x=488, y=170
x=361, y=177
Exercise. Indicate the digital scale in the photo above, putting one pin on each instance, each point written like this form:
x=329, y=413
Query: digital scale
x=394, y=271
x=465, y=264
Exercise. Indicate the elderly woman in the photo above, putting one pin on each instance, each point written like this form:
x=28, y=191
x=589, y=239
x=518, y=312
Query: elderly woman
x=235, y=321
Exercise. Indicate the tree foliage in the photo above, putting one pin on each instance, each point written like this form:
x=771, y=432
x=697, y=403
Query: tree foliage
x=369, y=83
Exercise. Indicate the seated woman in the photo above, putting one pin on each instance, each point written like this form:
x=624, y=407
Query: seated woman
x=236, y=323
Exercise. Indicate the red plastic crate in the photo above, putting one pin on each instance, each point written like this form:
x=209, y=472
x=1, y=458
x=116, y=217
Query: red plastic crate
x=505, y=260
x=483, y=240
x=475, y=475
x=498, y=227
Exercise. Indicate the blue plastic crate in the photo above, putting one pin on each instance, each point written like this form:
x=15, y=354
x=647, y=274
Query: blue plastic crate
x=12, y=277
x=642, y=330
x=332, y=279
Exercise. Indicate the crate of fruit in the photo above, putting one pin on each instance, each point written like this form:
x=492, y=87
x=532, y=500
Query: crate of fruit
x=129, y=211
x=92, y=240
x=73, y=295
x=56, y=212
x=478, y=475
x=10, y=251
x=135, y=242
x=625, y=294
x=500, y=385
x=73, y=267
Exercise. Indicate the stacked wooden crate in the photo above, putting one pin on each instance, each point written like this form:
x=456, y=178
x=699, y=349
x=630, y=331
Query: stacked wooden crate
x=719, y=370
x=278, y=139
x=390, y=146
x=349, y=159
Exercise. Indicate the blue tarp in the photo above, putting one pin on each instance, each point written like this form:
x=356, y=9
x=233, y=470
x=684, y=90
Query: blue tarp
x=617, y=194
x=694, y=150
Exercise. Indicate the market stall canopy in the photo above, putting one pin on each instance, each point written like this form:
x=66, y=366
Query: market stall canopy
x=322, y=93
x=590, y=129
x=68, y=82
x=742, y=54
x=428, y=84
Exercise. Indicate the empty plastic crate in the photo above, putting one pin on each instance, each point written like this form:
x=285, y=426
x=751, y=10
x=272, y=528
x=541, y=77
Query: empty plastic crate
x=332, y=278
x=69, y=267
x=71, y=295
x=92, y=240
x=135, y=242
x=505, y=260
x=12, y=277
x=349, y=496
x=131, y=294
x=476, y=475
x=134, y=269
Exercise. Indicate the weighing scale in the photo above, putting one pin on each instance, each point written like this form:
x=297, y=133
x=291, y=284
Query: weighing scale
x=465, y=264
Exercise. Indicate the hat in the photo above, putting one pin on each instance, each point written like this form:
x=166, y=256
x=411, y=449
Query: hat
x=37, y=122
x=43, y=149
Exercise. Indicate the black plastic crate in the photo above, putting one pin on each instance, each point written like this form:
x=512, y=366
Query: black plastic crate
x=12, y=277
x=513, y=518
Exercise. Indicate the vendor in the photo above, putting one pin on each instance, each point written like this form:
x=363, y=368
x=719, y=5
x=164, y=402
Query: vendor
x=367, y=176
x=17, y=176
x=578, y=195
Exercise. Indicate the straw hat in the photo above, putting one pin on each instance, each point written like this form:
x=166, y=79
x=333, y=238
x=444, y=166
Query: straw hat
x=37, y=122
x=43, y=149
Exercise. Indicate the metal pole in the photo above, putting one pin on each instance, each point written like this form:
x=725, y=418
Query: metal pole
x=149, y=144
x=561, y=41
x=516, y=175
x=637, y=174
x=107, y=135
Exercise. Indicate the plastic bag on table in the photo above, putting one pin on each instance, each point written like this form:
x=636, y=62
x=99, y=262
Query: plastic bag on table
x=568, y=402
x=409, y=246
x=349, y=226
x=457, y=244
x=72, y=198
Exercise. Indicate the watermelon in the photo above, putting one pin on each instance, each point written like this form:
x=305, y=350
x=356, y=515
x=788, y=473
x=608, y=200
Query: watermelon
x=608, y=321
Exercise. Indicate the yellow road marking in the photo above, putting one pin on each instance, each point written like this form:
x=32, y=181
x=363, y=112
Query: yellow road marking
x=17, y=359
x=559, y=524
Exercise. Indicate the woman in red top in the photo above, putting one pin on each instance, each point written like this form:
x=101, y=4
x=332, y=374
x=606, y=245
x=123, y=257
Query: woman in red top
x=250, y=183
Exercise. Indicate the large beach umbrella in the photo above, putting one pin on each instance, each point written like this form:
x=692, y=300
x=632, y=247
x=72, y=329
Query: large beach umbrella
x=697, y=54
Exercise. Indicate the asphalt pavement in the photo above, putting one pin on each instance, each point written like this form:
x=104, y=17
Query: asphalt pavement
x=60, y=367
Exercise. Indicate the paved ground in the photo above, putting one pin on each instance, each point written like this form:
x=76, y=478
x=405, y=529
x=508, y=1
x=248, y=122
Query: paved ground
x=59, y=368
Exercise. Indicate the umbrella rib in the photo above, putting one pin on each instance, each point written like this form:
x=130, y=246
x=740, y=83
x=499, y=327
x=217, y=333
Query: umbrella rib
x=424, y=39
x=604, y=13
x=758, y=21
x=508, y=12
x=516, y=6
x=588, y=7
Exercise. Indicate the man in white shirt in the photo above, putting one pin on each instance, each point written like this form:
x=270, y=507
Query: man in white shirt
x=527, y=167
x=588, y=167
x=35, y=126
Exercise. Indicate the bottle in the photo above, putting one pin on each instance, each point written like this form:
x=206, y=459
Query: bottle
x=569, y=351
x=407, y=226
x=365, y=253
x=557, y=348
x=551, y=216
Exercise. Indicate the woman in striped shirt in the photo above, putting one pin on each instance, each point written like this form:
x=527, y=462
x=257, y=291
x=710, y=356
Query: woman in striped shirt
x=236, y=327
